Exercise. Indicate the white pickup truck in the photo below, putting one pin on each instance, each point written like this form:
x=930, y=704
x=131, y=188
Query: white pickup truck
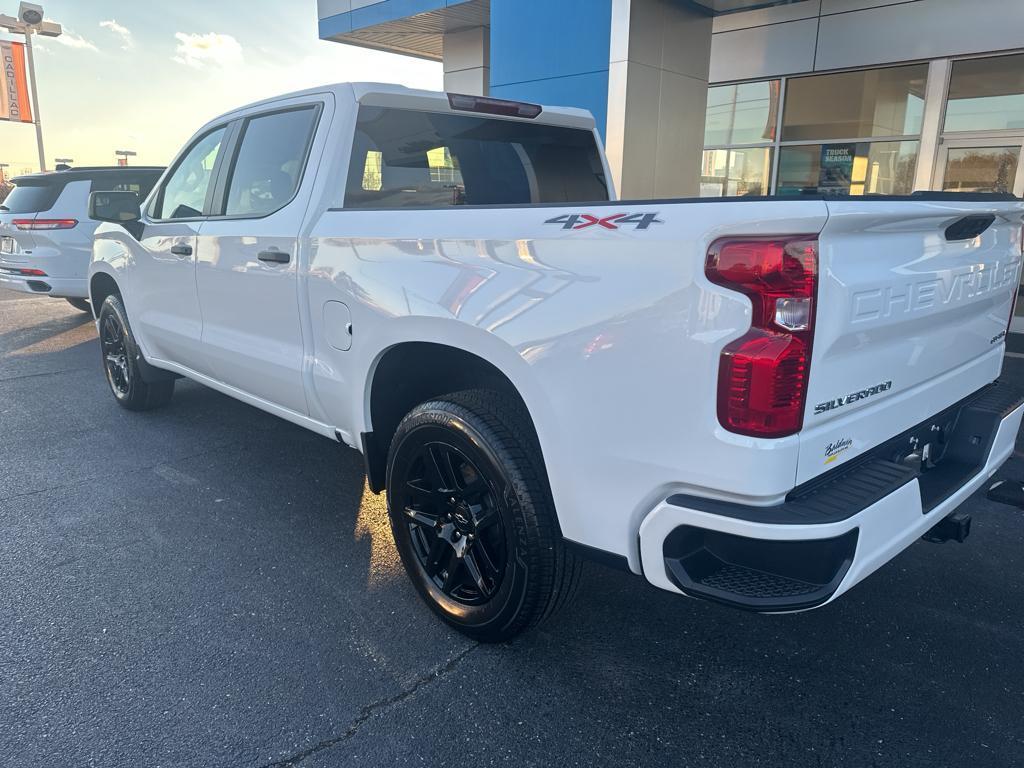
x=757, y=402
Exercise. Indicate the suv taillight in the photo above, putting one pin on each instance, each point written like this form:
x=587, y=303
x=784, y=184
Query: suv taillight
x=45, y=223
x=762, y=376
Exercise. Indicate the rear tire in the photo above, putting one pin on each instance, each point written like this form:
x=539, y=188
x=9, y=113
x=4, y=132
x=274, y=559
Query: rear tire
x=121, y=357
x=472, y=515
x=82, y=305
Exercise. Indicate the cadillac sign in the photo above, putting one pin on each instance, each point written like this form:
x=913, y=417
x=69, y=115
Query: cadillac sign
x=14, y=102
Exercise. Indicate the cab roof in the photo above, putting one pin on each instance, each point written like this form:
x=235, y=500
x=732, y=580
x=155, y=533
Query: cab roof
x=387, y=94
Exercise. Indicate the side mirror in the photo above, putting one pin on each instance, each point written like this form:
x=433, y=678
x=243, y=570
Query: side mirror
x=117, y=207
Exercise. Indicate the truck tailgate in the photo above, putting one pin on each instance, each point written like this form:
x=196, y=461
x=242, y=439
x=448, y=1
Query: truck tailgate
x=914, y=299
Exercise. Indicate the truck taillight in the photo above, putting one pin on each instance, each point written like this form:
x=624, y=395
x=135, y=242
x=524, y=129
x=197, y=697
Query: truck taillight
x=762, y=376
x=45, y=223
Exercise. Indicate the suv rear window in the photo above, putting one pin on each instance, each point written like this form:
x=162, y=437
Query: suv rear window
x=410, y=159
x=140, y=182
x=32, y=196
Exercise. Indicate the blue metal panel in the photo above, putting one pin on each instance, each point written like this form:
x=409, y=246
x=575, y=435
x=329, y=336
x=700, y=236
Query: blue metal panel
x=537, y=39
x=552, y=52
x=335, y=25
x=588, y=91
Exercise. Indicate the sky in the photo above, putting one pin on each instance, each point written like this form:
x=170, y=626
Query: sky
x=143, y=76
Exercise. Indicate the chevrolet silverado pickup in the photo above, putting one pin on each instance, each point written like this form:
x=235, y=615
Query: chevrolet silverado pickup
x=757, y=402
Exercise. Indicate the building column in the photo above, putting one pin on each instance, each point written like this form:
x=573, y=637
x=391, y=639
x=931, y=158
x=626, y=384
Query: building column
x=467, y=61
x=931, y=123
x=659, y=63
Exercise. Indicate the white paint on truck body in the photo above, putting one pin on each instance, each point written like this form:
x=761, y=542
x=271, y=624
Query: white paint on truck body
x=612, y=336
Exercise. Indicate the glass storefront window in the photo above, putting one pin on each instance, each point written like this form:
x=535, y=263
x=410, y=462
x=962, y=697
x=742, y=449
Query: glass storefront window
x=863, y=104
x=736, y=172
x=981, y=169
x=864, y=168
x=986, y=94
x=745, y=113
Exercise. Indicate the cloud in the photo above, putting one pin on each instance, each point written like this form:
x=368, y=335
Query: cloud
x=213, y=48
x=127, y=41
x=71, y=40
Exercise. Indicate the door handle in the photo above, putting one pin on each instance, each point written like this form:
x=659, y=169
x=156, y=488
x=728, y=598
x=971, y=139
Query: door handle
x=274, y=256
x=181, y=249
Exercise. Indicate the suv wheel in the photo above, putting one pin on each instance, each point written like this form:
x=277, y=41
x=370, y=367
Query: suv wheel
x=121, y=361
x=472, y=516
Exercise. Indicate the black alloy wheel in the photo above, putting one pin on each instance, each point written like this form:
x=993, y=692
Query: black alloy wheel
x=472, y=516
x=122, y=360
x=115, y=355
x=453, y=522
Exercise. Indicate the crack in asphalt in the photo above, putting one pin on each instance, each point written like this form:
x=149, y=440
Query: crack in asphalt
x=44, y=373
x=374, y=708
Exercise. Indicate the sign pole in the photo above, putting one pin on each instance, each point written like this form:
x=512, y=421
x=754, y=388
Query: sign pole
x=35, y=99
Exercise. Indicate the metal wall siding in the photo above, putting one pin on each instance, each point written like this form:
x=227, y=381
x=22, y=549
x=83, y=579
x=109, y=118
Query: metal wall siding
x=588, y=91
x=552, y=52
x=852, y=34
x=367, y=14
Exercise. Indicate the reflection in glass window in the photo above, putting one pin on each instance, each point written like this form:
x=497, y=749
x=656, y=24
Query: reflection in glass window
x=736, y=172
x=372, y=179
x=745, y=113
x=847, y=105
x=864, y=168
x=442, y=167
x=981, y=169
x=986, y=94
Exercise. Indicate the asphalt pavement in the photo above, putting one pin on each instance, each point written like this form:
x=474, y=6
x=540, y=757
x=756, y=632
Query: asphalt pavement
x=205, y=585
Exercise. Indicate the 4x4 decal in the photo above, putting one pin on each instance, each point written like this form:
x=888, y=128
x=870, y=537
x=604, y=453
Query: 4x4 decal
x=615, y=221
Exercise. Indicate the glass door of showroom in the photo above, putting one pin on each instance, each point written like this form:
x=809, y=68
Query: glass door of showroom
x=984, y=165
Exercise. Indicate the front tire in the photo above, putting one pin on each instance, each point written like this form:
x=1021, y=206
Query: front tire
x=82, y=305
x=121, y=357
x=472, y=515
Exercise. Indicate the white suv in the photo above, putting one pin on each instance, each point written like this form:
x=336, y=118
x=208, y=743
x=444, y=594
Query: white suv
x=45, y=231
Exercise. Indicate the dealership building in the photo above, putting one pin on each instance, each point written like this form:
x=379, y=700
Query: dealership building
x=742, y=97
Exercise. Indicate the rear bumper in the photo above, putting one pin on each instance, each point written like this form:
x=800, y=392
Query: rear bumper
x=45, y=286
x=831, y=534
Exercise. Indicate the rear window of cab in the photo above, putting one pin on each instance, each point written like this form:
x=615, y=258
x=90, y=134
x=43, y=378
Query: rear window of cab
x=405, y=158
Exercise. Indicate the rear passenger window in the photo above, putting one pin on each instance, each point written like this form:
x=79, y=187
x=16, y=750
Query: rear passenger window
x=269, y=163
x=410, y=159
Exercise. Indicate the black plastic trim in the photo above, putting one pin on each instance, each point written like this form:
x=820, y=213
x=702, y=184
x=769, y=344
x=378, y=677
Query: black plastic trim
x=151, y=374
x=586, y=552
x=969, y=227
x=767, y=576
x=375, y=459
x=841, y=493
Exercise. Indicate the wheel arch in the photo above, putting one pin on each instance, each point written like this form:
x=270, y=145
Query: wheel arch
x=101, y=285
x=391, y=392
